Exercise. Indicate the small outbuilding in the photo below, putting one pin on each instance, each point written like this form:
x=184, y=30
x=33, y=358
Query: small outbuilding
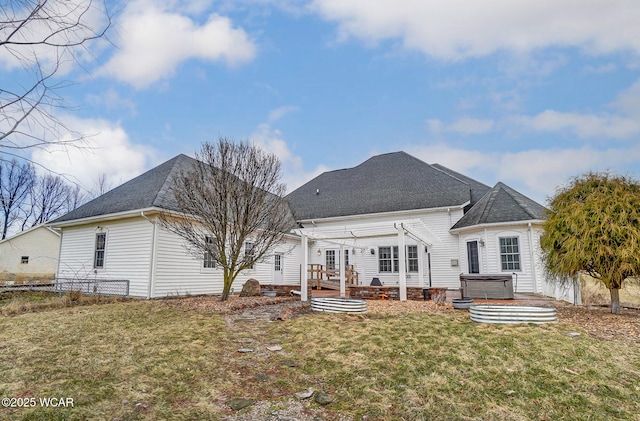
x=31, y=255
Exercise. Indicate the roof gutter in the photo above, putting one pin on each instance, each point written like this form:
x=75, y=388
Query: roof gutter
x=497, y=224
x=106, y=217
x=399, y=213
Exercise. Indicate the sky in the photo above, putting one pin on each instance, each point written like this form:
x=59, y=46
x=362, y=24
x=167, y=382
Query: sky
x=530, y=93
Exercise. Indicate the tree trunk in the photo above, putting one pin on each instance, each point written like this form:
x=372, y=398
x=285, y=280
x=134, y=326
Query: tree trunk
x=226, y=285
x=615, y=301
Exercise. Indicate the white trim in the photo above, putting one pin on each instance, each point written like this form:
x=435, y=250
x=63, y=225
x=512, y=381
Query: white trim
x=378, y=214
x=496, y=224
x=106, y=217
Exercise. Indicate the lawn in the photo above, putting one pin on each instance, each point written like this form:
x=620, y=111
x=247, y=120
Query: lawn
x=145, y=360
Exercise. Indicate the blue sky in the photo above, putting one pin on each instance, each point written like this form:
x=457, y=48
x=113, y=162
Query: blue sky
x=527, y=93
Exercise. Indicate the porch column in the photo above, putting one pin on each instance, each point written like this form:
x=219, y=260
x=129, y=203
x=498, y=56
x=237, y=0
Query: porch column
x=421, y=264
x=402, y=262
x=305, y=269
x=341, y=260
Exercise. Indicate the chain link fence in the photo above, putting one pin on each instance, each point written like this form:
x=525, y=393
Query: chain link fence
x=106, y=287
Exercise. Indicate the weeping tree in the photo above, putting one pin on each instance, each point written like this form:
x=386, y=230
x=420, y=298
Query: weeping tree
x=593, y=226
x=230, y=206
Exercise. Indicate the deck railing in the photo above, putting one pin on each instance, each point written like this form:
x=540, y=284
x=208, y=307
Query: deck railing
x=316, y=273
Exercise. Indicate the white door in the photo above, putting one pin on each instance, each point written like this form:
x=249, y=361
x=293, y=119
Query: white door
x=278, y=263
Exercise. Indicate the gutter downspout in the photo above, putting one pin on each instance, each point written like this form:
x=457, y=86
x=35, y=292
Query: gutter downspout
x=532, y=258
x=152, y=269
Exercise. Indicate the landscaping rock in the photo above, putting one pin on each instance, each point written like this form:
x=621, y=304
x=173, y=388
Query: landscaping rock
x=290, y=363
x=251, y=288
x=324, y=398
x=240, y=403
x=274, y=348
x=245, y=350
x=305, y=394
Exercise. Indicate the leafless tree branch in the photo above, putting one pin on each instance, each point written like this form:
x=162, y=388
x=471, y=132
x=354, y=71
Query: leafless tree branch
x=232, y=197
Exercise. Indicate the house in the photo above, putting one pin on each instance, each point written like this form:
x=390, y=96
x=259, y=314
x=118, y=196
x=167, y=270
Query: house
x=29, y=255
x=354, y=225
x=118, y=236
x=395, y=207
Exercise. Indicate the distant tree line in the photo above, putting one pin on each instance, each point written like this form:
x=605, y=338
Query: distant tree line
x=28, y=199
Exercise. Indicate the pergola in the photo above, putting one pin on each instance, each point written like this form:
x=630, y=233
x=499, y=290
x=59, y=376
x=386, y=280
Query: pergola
x=348, y=236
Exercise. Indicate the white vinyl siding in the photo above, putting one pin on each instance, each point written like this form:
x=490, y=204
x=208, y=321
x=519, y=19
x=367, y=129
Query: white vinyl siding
x=40, y=245
x=490, y=254
x=367, y=264
x=127, y=253
x=179, y=273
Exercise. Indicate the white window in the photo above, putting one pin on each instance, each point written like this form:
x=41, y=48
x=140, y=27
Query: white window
x=248, y=250
x=385, y=260
x=509, y=254
x=330, y=259
x=209, y=261
x=277, y=262
x=388, y=259
x=412, y=258
x=101, y=245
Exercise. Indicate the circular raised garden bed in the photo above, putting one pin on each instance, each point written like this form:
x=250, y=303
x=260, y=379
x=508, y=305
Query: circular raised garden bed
x=513, y=314
x=462, y=303
x=339, y=305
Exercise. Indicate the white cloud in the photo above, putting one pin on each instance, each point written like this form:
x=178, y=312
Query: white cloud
x=464, y=126
x=534, y=172
x=601, y=69
x=112, y=100
x=294, y=174
x=581, y=125
x=278, y=113
x=108, y=151
x=155, y=40
x=459, y=29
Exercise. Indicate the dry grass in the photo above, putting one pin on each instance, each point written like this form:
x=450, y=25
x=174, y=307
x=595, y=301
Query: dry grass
x=594, y=293
x=150, y=361
x=27, y=302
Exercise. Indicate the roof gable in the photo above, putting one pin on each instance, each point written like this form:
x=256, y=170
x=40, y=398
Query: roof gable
x=501, y=204
x=383, y=183
x=151, y=189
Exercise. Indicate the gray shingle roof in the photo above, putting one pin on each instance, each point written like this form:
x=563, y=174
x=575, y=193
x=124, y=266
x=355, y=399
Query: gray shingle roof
x=383, y=183
x=478, y=189
x=501, y=204
x=151, y=189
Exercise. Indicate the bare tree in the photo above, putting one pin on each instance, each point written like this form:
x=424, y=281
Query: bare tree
x=41, y=37
x=16, y=181
x=231, y=207
x=101, y=185
x=50, y=197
